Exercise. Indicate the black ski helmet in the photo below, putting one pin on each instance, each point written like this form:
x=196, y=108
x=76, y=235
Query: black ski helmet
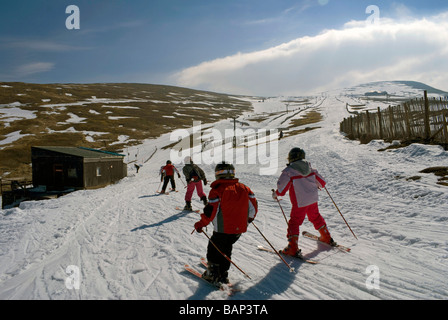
x=224, y=171
x=168, y=161
x=296, y=154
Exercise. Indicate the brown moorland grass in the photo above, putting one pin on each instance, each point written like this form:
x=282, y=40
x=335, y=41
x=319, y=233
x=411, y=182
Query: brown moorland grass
x=95, y=115
x=311, y=117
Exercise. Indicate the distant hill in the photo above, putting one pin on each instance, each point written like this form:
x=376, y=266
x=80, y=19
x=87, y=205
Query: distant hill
x=410, y=84
x=422, y=86
x=108, y=116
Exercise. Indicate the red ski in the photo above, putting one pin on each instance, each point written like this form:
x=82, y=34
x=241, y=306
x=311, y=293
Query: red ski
x=316, y=238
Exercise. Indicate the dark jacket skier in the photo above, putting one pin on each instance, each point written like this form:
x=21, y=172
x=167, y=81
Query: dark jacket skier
x=194, y=177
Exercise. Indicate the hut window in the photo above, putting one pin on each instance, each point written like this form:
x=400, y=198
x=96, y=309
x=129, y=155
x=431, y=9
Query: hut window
x=71, y=173
x=98, y=171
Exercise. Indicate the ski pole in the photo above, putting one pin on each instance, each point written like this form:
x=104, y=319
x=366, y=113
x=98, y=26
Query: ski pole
x=290, y=268
x=284, y=215
x=341, y=213
x=182, y=182
x=224, y=255
x=159, y=185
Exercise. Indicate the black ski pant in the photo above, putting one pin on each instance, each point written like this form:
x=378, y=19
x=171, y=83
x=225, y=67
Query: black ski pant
x=166, y=179
x=224, y=242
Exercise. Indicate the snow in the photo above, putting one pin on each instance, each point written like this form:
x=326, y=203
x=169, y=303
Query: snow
x=73, y=119
x=120, y=107
x=11, y=137
x=89, y=134
x=127, y=242
x=119, y=117
x=11, y=112
x=122, y=139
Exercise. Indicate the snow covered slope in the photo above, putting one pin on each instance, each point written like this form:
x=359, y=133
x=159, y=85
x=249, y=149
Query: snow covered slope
x=127, y=242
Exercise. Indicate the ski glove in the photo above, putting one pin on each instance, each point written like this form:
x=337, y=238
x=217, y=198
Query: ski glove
x=199, y=225
x=274, y=195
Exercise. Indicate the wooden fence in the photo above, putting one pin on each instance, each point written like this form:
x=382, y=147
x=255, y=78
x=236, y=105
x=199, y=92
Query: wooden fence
x=422, y=120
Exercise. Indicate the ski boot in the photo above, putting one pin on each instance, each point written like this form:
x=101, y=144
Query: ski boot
x=325, y=236
x=188, y=206
x=293, y=246
x=224, y=277
x=212, y=274
x=204, y=200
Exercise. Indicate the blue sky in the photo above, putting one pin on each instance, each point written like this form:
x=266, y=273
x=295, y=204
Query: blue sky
x=189, y=43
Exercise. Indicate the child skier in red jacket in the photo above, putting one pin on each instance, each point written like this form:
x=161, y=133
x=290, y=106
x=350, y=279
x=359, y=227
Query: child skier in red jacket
x=231, y=207
x=167, y=174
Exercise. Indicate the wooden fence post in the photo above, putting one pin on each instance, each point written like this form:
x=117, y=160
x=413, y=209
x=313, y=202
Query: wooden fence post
x=402, y=122
x=358, y=129
x=426, y=115
x=351, y=126
x=445, y=132
x=368, y=129
x=391, y=120
x=408, y=121
x=380, y=121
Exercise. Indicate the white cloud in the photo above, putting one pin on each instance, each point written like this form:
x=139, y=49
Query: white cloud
x=404, y=49
x=37, y=45
x=33, y=68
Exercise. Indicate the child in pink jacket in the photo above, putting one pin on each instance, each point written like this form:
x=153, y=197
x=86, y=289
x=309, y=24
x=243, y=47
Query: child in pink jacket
x=303, y=183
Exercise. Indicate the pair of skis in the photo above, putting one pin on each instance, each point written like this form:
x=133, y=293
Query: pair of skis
x=299, y=255
x=166, y=192
x=312, y=237
x=334, y=245
x=182, y=209
x=225, y=287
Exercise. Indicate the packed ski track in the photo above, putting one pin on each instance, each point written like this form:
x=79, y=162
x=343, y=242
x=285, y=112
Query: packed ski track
x=129, y=242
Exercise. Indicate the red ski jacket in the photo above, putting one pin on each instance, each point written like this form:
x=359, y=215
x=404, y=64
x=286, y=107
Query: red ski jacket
x=231, y=204
x=168, y=169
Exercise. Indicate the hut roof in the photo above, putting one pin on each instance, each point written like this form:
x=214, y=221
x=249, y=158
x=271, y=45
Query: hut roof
x=82, y=152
